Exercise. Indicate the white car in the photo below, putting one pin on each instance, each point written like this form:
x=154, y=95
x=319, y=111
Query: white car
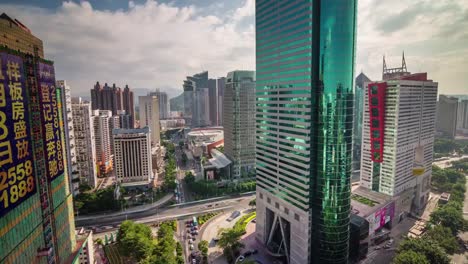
x=241, y=259
x=191, y=247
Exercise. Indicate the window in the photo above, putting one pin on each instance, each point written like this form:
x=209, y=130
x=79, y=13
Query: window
x=374, y=89
x=375, y=123
x=277, y=205
x=374, y=101
x=296, y=217
x=261, y=195
x=286, y=210
x=375, y=112
x=268, y=200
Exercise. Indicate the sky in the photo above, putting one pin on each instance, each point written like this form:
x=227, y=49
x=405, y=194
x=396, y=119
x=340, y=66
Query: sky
x=155, y=44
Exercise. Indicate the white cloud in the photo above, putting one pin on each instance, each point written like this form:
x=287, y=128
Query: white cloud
x=433, y=35
x=149, y=45
x=156, y=45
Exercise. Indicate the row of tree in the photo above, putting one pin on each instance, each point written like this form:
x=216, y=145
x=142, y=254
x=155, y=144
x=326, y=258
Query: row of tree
x=170, y=169
x=444, y=147
x=136, y=242
x=87, y=202
x=207, y=189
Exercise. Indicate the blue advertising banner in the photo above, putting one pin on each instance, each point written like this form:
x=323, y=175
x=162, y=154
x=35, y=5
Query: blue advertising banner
x=52, y=136
x=17, y=179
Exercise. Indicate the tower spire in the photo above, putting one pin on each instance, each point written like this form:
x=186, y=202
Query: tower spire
x=384, y=66
x=403, y=62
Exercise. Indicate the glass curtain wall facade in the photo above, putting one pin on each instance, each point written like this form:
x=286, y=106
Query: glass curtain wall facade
x=304, y=95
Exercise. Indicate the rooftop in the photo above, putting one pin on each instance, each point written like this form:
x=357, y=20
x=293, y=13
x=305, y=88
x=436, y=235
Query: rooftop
x=365, y=202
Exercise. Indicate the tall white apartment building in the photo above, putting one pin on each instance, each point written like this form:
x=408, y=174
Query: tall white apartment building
x=132, y=160
x=149, y=116
x=398, y=134
x=85, y=142
x=71, y=150
x=102, y=123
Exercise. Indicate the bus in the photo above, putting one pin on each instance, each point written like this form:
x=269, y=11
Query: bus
x=194, y=221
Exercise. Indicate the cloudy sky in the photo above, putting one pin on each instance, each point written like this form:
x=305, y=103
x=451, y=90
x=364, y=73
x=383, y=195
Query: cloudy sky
x=155, y=44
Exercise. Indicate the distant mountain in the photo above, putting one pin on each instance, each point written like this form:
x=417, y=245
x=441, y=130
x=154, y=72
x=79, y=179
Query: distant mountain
x=177, y=103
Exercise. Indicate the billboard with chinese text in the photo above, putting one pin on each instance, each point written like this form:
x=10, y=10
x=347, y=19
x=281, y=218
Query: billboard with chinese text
x=17, y=179
x=51, y=125
x=381, y=217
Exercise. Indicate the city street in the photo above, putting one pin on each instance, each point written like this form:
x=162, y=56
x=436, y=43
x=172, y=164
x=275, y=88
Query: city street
x=171, y=212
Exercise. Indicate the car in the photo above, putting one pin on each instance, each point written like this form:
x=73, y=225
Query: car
x=189, y=231
x=190, y=241
x=189, y=236
x=191, y=247
x=195, y=227
x=247, y=253
x=377, y=248
x=216, y=239
x=254, y=220
x=254, y=251
x=194, y=261
x=241, y=258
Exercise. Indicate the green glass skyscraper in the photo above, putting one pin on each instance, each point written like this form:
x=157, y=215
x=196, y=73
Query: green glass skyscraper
x=304, y=118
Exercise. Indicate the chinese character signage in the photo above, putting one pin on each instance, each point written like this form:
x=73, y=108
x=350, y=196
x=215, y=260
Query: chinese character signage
x=17, y=179
x=51, y=124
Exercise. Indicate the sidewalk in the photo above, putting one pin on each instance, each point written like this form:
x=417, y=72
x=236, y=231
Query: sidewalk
x=135, y=209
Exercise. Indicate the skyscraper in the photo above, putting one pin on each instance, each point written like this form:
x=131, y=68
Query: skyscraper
x=398, y=135
x=149, y=117
x=304, y=93
x=239, y=122
x=70, y=144
x=85, y=142
x=360, y=81
x=203, y=100
x=102, y=124
x=447, y=108
x=36, y=211
x=133, y=163
x=221, y=84
x=128, y=104
x=113, y=99
x=462, y=117
x=163, y=103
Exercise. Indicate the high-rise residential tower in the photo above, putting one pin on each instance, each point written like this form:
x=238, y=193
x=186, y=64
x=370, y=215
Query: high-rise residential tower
x=398, y=135
x=304, y=118
x=360, y=81
x=447, y=108
x=36, y=210
x=70, y=144
x=149, y=117
x=113, y=99
x=132, y=161
x=85, y=142
x=102, y=124
x=239, y=122
x=163, y=103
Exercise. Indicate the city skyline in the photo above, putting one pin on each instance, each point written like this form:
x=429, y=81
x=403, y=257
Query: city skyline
x=222, y=39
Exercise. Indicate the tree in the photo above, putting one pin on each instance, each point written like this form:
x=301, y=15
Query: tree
x=135, y=240
x=189, y=177
x=410, y=257
x=449, y=215
x=432, y=251
x=229, y=242
x=253, y=203
x=443, y=236
x=99, y=241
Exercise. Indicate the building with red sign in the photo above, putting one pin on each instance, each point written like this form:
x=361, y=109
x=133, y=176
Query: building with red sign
x=398, y=134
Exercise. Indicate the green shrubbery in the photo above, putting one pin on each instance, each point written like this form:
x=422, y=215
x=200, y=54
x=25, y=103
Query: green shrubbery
x=205, y=189
x=244, y=220
x=136, y=241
